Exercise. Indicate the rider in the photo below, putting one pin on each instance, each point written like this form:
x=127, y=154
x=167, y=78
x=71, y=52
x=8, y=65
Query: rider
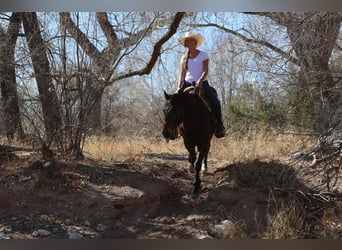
x=194, y=69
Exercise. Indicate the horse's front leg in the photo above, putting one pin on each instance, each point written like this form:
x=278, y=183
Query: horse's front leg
x=205, y=165
x=197, y=183
x=203, y=152
x=192, y=156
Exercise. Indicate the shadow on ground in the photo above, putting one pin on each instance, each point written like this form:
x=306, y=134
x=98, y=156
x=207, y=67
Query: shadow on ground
x=146, y=199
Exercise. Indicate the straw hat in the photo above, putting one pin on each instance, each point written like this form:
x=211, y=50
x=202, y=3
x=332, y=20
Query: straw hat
x=197, y=37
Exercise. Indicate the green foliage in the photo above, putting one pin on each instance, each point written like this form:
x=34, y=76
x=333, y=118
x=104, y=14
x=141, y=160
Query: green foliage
x=305, y=106
x=243, y=117
x=299, y=114
x=271, y=114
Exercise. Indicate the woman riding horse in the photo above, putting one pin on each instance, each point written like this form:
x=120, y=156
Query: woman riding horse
x=195, y=68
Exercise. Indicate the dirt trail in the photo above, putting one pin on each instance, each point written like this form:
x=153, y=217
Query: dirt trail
x=147, y=199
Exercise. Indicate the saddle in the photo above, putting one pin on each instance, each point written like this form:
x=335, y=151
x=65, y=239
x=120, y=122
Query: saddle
x=201, y=94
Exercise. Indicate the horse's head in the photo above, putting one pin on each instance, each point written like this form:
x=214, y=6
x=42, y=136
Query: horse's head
x=172, y=115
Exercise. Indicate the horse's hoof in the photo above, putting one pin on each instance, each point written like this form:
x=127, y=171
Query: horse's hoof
x=196, y=193
x=195, y=196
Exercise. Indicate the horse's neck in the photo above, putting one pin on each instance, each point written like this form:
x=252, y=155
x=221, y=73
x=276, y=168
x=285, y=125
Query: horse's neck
x=196, y=118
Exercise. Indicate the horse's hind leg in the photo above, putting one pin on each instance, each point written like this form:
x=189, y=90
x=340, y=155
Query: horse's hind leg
x=205, y=150
x=191, y=166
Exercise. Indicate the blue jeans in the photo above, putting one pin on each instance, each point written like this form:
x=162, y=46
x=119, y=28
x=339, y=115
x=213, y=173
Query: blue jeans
x=212, y=96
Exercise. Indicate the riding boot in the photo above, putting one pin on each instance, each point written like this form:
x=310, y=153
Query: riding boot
x=220, y=130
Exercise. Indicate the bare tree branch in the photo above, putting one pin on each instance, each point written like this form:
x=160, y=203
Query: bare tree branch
x=82, y=39
x=156, y=50
x=107, y=28
x=251, y=40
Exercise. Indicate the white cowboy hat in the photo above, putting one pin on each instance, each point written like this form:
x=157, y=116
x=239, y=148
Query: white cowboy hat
x=197, y=37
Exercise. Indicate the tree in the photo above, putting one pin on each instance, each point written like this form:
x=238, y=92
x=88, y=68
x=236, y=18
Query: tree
x=313, y=37
x=41, y=66
x=108, y=59
x=120, y=43
x=10, y=105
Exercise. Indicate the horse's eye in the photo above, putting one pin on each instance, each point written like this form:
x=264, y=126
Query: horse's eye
x=167, y=108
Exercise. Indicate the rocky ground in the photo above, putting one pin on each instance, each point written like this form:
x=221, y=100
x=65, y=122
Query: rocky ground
x=151, y=199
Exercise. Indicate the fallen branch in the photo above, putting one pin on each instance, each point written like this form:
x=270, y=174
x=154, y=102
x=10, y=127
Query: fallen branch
x=9, y=149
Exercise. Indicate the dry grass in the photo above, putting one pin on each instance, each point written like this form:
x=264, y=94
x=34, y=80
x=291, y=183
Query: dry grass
x=286, y=223
x=331, y=226
x=129, y=148
x=270, y=146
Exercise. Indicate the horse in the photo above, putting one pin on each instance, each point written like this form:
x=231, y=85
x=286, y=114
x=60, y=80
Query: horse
x=188, y=115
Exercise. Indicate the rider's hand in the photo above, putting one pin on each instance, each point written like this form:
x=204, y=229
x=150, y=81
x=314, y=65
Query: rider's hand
x=198, y=83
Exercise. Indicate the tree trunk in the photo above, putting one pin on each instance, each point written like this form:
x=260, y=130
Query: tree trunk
x=313, y=41
x=41, y=66
x=13, y=125
x=94, y=109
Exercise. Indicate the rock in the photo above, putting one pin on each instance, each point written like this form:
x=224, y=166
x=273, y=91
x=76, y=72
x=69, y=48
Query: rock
x=48, y=164
x=24, y=178
x=7, y=229
x=44, y=217
x=4, y=237
x=41, y=232
x=223, y=229
x=87, y=223
x=100, y=228
x=204, y=237
x=75, y=236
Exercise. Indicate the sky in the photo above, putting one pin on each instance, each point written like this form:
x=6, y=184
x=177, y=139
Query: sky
x=166, y=75
x=167, y=5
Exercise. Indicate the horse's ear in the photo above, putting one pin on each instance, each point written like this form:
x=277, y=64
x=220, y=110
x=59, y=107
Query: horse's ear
x=167, y=96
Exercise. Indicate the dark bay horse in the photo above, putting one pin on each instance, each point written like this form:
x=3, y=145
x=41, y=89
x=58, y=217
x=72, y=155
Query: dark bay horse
x=188, y=115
